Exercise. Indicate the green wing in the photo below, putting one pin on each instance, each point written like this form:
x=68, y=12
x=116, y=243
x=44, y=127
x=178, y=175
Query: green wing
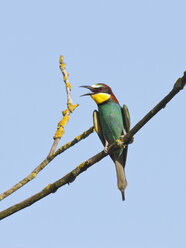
x=97, y=126
x=126, y=120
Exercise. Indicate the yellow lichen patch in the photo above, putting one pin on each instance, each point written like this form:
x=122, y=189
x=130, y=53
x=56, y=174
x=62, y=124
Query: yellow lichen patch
x=78, y=137
x=67, y=145
x=68, y=85
x=59, y=133
x=65, y=77
x=60, y=129
x=62, y=66
x=32, y=176
x=47, y=187
x=61, y=63
x=72, y=107
x=64, y=121
x=61, y=59
x=65, y=112
x=82, y=165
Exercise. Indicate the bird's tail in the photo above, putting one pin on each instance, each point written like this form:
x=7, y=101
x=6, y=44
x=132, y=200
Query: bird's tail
x=121, y=179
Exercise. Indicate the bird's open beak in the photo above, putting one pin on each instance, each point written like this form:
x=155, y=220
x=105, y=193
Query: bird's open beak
x=90, y=88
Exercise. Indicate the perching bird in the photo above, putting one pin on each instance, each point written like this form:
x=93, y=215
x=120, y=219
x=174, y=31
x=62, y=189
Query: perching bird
x=110, y=122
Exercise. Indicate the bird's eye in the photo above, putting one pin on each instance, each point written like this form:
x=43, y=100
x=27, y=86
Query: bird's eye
x=101, y=88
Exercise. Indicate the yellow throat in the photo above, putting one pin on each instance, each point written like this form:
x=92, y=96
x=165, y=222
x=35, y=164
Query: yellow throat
x=100, y=97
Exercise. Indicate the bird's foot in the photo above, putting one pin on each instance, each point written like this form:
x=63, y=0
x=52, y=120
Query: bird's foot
x=106, y=146
x=131, y=140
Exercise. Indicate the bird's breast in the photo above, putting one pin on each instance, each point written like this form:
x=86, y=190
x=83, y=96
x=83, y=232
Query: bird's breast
x=111, y=121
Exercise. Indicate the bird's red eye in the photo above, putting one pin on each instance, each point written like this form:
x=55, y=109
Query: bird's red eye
x=101, y=88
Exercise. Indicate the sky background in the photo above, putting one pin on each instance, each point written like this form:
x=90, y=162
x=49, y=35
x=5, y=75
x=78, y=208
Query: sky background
x=136, y=47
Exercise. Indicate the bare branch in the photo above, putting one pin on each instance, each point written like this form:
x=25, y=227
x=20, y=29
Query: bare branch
x=60, y=130
x=41, y=166
x=179, y=85
x=51, y=188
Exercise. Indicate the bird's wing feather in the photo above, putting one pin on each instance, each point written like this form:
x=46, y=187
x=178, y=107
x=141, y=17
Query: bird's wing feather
x=126, y=122
x=97, y=126
x=121, y=160
x=126, y=118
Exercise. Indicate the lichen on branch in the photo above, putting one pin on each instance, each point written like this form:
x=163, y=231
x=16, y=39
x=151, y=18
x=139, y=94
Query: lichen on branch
x=52, y=188
x=66, y=113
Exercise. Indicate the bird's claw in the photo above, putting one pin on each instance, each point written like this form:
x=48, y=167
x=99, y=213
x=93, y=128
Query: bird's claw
x=105, y=149
x=106, y=146
x=130, y=141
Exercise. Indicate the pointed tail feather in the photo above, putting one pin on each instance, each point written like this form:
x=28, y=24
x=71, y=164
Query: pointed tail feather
x=121, y=179
x=123, y=195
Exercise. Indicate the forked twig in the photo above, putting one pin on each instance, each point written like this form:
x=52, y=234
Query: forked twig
x=41, y=166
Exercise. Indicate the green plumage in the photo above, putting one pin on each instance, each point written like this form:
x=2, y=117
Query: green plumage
x=111, y=121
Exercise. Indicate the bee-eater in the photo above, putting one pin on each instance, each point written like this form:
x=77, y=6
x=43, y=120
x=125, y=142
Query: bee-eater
x=110, y=122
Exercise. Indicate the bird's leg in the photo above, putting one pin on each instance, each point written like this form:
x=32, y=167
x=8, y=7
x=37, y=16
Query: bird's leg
x=106, y=146
x=124, y=132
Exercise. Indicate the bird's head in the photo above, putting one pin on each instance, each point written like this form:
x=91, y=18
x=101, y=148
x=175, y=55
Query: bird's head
x=100, y=93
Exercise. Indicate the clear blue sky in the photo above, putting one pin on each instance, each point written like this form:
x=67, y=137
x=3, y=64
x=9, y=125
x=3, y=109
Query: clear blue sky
x=136, y=47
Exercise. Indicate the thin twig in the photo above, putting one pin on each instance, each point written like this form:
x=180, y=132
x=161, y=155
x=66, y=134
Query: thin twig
x=41, y=166
x=66, y=113
x=65, y=77
x=51, y=188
